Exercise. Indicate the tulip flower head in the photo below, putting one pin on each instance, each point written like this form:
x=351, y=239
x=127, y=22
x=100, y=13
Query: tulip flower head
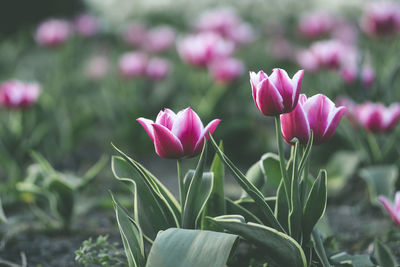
x=135, y=34
x=157, y=68
x=178, y=135
x=381, y=18
x=16, y=94
x=316, y=24
x=159, y=39
x=317, y=113
x=329, y=54
x=275, y=94
x=392, y=208
x=203, y=48
x=53, y=32
x=377, y=118
x=86, y=25
x=221, y=21
x=226, y=70
x=133, y=64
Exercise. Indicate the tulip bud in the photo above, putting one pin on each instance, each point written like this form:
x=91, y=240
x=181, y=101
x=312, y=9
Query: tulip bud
x=17, y=94
x=376, y=117
x=178, y=135
x=133, y=64
x=276, y=94
x=159, y=39
x=317, y=113
x=392, y=209
x=53, y=32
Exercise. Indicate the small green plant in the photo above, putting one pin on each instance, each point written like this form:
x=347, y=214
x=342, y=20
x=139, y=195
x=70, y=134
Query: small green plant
x=99, y=253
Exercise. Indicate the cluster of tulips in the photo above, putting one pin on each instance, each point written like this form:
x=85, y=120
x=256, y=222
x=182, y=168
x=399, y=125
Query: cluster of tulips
x=15, y=94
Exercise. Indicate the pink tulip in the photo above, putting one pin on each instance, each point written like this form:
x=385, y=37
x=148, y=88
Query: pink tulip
x=316, y=24
x=317, y=113
x=17, y=94
x=307, y=60
x=53, y=32
x=329, y=54
x=381, y=18
x=276, y=94
x=96, y=67
x=133, y=64
x=135, y=34
x=203, y=48
x=349, y=74
x=159, y=39
x=178, y=135
x=392, y=209
x=242, y=34
x=220, y=21
x=226, y=70
x=86, y=25
x=368, y=75
x=281, y=49
x=345, y=32
x=157, y=68
x=377, y=118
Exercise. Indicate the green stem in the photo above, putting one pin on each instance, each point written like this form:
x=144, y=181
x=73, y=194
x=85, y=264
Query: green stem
x=286, y=182
x=304, y=180
x=180, y=183
x=376, y=151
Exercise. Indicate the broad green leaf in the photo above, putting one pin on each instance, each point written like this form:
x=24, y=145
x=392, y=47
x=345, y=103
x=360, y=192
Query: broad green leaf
x=93, y=172
x=384, y=255
x=320, y=249
x=282, y=207
x=352, y=260
x=296, y=212
x=272, y=170
x=380, y=180
x=150, y=213
x=64, y=200
x=279, y=247
x=216, y=203
x=3, y=217
x=315, y=204
x=157, y=187
x=253, y=192
x=306, y=153
x=256, y=176
x=341, y=167
x=250, y=205
x=184, y=248
x=131, y=235
x=235, y=208
x=197, y=194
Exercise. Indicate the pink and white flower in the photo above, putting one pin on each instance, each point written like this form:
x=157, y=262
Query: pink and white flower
x=392, y=208
x=316, y=24
x=376, y=117
x=381, y=18
x=317, y=113
x=159, y=39
x=158, y=68
x=86, y=25
x=135, y=34
x=178, y=135
x=133, y=64
x=18, y=94
x=53, y=32
x=275, y=94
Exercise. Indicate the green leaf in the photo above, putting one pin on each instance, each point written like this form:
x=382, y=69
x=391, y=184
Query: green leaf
x=150, y=212
x=320, y=249
x=352, y=260
x=197, y=194
x=235, y=208
x=279, y=247
x=183, y=248
x=271, y=169
x=282, y=207
x=256, y=176
x=64, y=201
x=315, y=205
x=250, y=205
x=306, y=153
x=296, y=212
x=384, y=255
x=3, y=217
x=93, y=172
x=216, y=203
x=268, y=216
x=380, y=180
x=131, y=235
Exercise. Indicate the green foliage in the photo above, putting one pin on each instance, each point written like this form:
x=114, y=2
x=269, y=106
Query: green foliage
x=52, y=194
x=383, y=255
x=99, y=253
x=344, y=259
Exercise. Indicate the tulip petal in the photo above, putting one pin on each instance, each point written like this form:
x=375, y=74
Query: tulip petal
x=166, y=118
x=389, y=208
x=317, y=109
x=147, y=125
x=210, y=128
x=296, y=82
x=166, y=144
x=187, y=128
x=255, y=81
x=269, y=101
x=333, y=121
x=295, y=124
x=283, y=83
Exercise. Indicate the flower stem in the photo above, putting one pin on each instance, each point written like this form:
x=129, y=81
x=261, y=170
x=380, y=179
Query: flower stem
x=180, y=183
x=286, y=182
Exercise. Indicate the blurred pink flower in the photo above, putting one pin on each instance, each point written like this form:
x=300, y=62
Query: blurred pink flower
x=86, y=25
x=315, y=24
x=350, y=108
x=226, y=70
x=221, y=21
x=317, y=113
x=18, y=94
x=393, y=209
x=53, y=32
x=203, y=48
x=349, y=74
x=135, y=34
x=275, y=94
x=178, y=135
x=158, y=68
x=307, y=60
x=345, y=32
x=159, y=39
x=377, y=118
x=281, y=49
x=133, y=64
x=367, y=75
x=381, y=18
x=242, y=34
x=97, y=67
